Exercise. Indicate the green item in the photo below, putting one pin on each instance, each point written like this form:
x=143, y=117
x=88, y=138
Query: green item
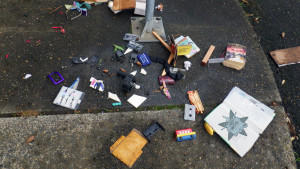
x=98, y=3
x=118, y=48
x=88, y=6
x=117, y=104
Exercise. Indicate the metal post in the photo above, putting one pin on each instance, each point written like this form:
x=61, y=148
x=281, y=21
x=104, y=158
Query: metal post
x=143, y=26
x=149, y=14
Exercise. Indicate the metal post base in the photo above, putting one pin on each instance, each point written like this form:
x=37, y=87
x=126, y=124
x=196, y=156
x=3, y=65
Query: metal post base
x=138, y=26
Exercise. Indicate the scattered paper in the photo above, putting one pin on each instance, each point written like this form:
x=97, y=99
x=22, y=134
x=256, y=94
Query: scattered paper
x=113, y=96
x=69, y=6
x=182, y=41
x=143, y=71
x=184, y=50
x=187, y=65
x=110, y=5
x=27, y=76
x=140, y=7
x=136, y=100
x=97, y=84
x=128, y=50
x=133, y=73
x=69, y=98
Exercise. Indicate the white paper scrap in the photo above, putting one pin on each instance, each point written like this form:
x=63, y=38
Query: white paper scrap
x=113, y=96
x=136, y=100
x=110, y=5
x=133, y=73
x=143, y=71
x=140, y=7
x=27, y=76
x=128, y=50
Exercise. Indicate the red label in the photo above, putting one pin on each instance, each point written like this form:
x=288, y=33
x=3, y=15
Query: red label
x=184, y=131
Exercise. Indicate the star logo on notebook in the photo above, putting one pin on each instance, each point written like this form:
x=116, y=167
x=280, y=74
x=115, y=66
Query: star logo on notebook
x=234, y=125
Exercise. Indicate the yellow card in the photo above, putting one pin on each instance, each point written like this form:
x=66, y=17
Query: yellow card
x=184, y=50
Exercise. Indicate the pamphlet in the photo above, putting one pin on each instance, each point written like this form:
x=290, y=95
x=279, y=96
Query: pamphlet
x=187, y=41
x=239, y=120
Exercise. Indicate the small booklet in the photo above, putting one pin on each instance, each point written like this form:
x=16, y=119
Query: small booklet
x=185, y=42
x=239, y=120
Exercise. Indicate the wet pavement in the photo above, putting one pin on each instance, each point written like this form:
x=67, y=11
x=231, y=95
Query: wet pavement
x=83, y=140
x=96, y=33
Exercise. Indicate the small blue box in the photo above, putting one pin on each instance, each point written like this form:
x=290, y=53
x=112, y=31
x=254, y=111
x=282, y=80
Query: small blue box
x=144, y=59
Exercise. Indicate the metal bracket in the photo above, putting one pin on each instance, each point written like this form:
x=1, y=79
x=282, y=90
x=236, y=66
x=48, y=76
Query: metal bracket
x=139, y=28
x=135, y=46
x=130, y=37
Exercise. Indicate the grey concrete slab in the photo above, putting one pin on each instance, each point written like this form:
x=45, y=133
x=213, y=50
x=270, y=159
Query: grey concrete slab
x=83, y=141
x=206, y=22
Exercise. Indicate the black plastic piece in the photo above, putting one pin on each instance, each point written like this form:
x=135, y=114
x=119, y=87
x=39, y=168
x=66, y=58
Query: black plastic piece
x=128, y=82
x=120, y=55
x=150, y=131
x=93, y=60
x=133, y=58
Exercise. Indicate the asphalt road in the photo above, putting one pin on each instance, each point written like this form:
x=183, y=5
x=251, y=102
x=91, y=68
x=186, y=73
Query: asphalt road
x=275, y=17
x=33, y=47
x=29, y=45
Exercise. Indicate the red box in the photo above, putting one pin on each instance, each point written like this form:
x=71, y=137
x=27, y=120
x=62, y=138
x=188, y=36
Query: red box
x=183, y=131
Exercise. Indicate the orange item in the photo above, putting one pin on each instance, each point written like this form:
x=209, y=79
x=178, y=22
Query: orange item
x=172, y=55
x=195, y=100
x=123, y=4
x=208, y=54
x=129, y=149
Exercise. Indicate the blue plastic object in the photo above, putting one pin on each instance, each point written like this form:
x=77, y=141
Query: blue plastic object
x=56, y=82
x=117, y=104
x=144, y=59
x=188, y=137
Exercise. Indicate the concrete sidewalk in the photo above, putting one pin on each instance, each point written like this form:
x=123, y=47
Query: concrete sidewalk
x=83, y=141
